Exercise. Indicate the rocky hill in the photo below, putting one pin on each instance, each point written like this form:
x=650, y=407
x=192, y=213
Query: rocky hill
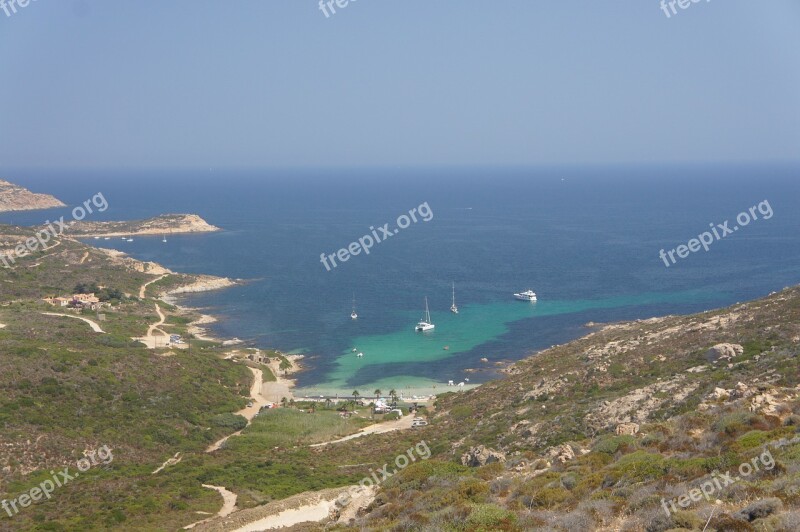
x=160, y=225
x=621, y=430
x=16, y=198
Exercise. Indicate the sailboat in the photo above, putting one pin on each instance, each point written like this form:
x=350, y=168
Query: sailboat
x=453, y=307
x=353, y=315
x=425, y=324
x=164, y=238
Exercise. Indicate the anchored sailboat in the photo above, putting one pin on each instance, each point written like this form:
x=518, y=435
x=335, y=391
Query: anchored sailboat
x=425, y=324
x=453, y=307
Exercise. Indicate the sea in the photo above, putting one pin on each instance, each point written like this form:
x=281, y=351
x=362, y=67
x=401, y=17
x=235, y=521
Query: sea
x=587, y=240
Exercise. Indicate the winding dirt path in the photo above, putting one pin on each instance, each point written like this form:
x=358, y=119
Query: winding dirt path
x=148, y=283
x=150, y=339
x=248, y=412
x=170, y=462
x=228, y=505
x=85, y=256
x=95, y=327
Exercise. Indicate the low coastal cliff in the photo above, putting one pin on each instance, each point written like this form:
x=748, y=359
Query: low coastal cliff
x=16, y=198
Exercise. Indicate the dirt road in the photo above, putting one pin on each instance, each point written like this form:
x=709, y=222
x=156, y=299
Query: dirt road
x=248, y=412
x=379, y=428
x=95, y=327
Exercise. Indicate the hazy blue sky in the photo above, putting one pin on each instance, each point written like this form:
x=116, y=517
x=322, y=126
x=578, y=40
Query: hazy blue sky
x=412, y=82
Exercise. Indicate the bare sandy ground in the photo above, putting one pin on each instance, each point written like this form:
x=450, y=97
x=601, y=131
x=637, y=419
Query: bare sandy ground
x=152, y=340
x=291, y=517
x=228, y=505
x=95, y=327
x=303, y=507
x=282, y=387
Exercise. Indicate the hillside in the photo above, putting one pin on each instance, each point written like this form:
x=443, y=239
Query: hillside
x=16, y=198
x=595, y=433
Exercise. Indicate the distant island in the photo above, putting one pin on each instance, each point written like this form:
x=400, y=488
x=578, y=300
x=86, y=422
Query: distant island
x=160, y=225
x=16, y=198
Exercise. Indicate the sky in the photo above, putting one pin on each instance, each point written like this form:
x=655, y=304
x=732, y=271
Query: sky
x=276, y=83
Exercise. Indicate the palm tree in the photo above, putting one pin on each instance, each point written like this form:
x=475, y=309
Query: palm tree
x=356, y=395
x=377, y=393
x=393, y=395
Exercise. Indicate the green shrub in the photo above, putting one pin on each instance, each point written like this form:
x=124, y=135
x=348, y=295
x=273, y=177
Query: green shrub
x=491, y=518
x=229, y=421
x=461, y=412
x=739, y=422
x=473, y=490
x=640, y=466
x=550, y=497
x=611, y=444
x=754, y=438
x=418, y=473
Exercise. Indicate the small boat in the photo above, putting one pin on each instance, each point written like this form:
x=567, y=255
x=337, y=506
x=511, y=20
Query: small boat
x=353, y=315
x=164, y=239
x=453, y=307
x=107, y=238
x=97, y=238
x=528, y=295
x=129, y=240
x=360, y=355
x=425, y=323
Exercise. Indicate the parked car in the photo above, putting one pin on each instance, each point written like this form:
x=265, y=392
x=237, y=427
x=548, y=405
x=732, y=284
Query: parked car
x=419, y=423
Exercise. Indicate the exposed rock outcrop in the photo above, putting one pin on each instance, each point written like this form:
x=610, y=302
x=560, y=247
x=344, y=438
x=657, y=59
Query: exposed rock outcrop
x=724, y=352
x=561, y=453
x=627, y=429
x=481, y=455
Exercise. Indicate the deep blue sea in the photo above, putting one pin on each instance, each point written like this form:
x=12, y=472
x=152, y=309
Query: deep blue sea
x=587, y=240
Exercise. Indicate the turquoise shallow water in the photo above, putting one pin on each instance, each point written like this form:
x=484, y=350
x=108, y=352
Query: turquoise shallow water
x=474, y=326
x=585, y=239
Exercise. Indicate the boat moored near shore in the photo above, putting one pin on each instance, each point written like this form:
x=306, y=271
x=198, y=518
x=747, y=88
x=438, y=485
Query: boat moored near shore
x=528, y=295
